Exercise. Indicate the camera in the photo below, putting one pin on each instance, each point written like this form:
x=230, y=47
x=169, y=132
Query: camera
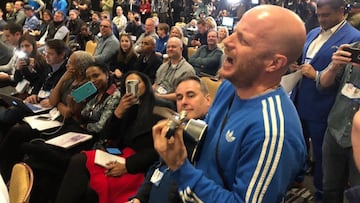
x=137, y=18
x=195, y=128
x=23, y=56
x=354, y=49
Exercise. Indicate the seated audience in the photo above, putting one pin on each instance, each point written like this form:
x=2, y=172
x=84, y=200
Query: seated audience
x=74, y=23
x=19, y=12
x=32, y=66
x=59, y=97
x=7, y=53
x=107, y=45
x=120, y=20
x=207, y=58
x=93, y=116
x=84, y=7
x=12, y=33
x=79, y=43
x=192, y=96
x=148, y=62
x=210, y=23
x=94, y=24
x=134, y=25
x=55, y=57
x=169, y=73
x=105, y=15
x=177, y=32
x=200, y=37
x=126, y=57
x=2, y=20
x=130, y=131
x=44, y=23
x=223, y=32
x=163, y=33
x=31, y=21
x=56, y=29
x=10, y=12
x=149, y=31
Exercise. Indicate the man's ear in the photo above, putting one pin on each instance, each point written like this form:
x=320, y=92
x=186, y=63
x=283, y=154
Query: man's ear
x=278, y=62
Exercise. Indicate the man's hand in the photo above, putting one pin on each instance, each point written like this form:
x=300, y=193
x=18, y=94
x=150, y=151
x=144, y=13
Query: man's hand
x=45, y=103
x=32, y=99
x=341, y=57
x=172, y=150
x=308, y=71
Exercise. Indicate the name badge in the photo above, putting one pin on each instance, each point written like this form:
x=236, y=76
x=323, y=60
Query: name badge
x=307, y=60
x=351, y=91
x=161, y=90
x=43, y=94
x=156, y=177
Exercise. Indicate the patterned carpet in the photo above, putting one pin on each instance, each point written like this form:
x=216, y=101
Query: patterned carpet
x=299, y=195
x=302, y=194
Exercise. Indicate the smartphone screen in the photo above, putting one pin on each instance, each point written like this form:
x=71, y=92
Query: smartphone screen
x=83, y=92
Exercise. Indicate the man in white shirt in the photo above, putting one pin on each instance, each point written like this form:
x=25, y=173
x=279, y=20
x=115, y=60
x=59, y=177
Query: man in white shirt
x=120, y=20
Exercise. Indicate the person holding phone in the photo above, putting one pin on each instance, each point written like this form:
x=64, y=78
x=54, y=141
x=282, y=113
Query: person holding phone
x=92, y=119
x=339, y=167
x=18, y=134
x=32, y=66
x=129, y=130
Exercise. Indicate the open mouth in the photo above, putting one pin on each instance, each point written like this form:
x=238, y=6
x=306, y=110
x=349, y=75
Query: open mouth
x=229, y=60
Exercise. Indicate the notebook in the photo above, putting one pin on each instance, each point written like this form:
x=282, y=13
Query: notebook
x=8, y=90
x=69, y=139
x=42, y=122
x=102, y=158
x=14, y=101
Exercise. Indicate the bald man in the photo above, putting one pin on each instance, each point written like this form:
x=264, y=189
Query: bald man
x=170, y=72
x=254, y=147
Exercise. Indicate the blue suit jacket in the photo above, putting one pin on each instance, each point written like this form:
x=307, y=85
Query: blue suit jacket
x=310, y=103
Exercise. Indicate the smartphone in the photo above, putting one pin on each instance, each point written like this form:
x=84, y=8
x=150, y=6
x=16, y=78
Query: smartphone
x=114, y=150
x=44, y=118
x=132, y=86
x=83, y=92
x=355, y=54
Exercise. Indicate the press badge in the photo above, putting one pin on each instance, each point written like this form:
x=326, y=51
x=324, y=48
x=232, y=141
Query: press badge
x=161, y=90
x=43, y=94
x=156, y=177
x=351, y=91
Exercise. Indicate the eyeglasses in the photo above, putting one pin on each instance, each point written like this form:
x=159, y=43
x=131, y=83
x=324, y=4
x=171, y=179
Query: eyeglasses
x=104, y=26
x=104, y=17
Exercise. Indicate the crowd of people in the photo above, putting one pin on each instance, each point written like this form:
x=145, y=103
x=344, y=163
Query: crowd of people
x=259, y=141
